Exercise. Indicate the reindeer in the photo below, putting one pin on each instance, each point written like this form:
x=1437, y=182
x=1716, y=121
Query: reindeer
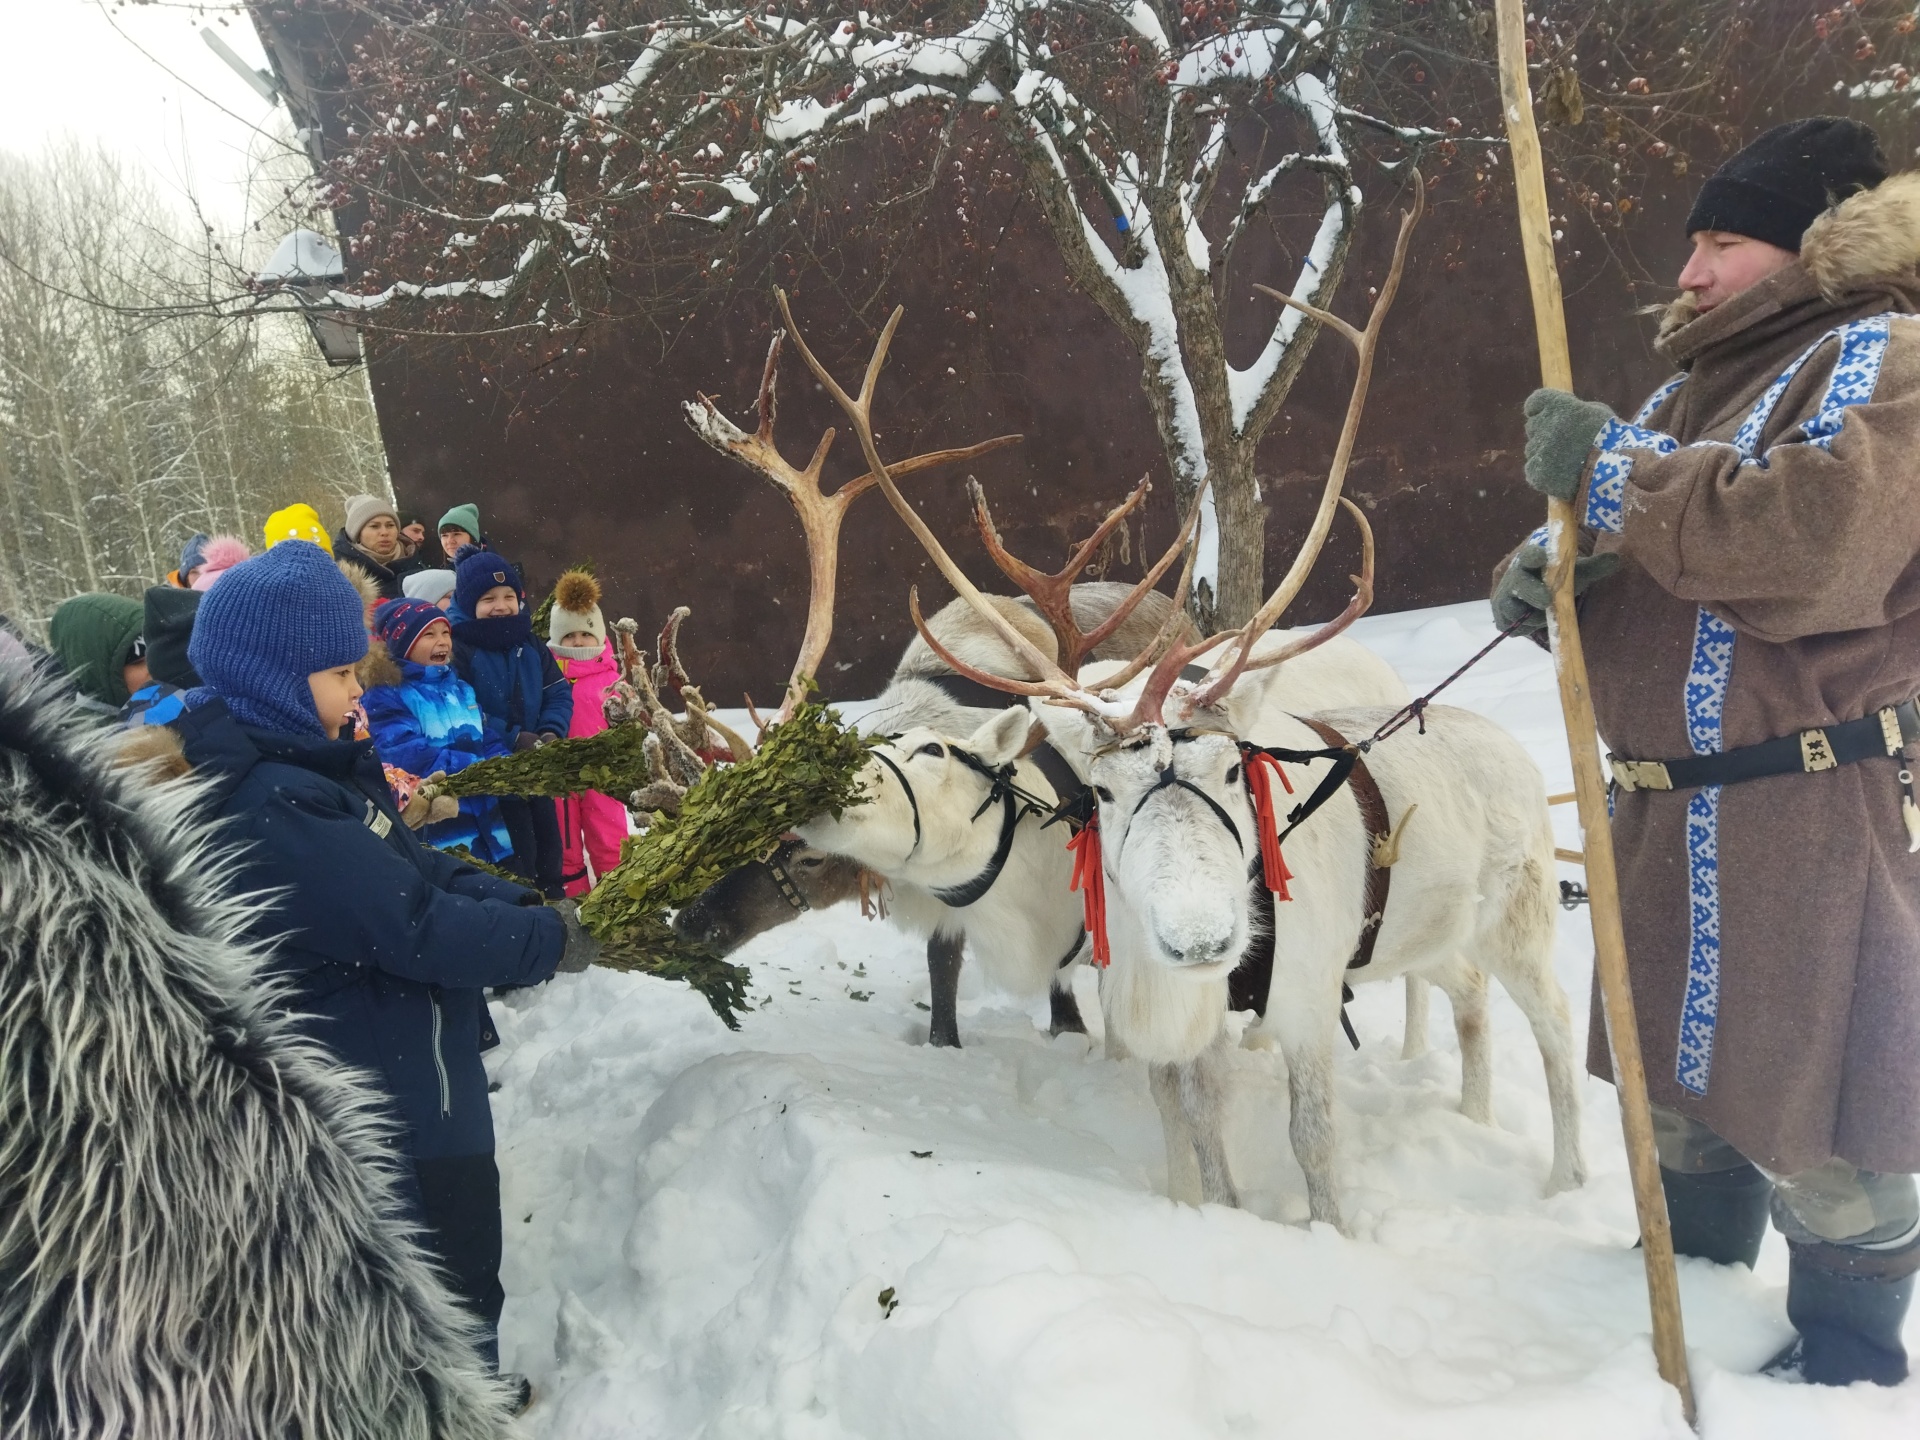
x=1183, y=807
x=961, y=760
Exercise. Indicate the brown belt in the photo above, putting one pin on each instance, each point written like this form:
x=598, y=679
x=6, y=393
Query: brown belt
x=1373, y=815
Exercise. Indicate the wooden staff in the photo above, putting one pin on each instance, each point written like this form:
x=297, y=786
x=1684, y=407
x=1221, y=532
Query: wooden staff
x=1576, y=702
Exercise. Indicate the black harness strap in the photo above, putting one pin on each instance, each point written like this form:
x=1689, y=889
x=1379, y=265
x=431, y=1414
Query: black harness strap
x=1073, y=950
x=912, y=800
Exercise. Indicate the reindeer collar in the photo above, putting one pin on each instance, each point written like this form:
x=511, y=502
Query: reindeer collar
x=1015, y=801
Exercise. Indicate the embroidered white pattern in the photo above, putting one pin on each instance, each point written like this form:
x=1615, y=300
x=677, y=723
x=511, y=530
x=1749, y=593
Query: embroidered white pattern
x=1608, y=489
x=1856, y=374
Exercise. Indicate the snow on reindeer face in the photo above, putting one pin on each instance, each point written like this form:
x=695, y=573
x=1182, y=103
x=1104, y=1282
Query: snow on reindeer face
x=1176, y=837
x=922, y=820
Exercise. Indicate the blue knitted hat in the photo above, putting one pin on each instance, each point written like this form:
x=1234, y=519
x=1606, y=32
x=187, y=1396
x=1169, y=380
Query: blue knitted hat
x=478, y=571
x=192, y=556
x=270, y=623
x=399, y=623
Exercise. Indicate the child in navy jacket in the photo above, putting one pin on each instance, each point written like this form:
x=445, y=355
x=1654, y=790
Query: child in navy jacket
x=384, y=944
x=518, y=684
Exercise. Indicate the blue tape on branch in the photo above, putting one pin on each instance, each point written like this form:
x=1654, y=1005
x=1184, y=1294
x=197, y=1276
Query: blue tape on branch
x=1120, y=224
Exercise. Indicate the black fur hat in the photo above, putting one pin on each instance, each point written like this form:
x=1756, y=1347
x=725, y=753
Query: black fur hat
x=1781, y=183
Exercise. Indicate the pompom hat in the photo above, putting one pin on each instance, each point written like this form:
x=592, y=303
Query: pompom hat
x=576, y=606
x=270, y=623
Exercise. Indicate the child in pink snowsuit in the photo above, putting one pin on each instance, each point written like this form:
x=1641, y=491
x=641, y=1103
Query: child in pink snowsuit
x=592, y=825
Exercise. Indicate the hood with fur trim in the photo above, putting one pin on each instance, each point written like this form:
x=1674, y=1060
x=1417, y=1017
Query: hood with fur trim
x=1869, y=240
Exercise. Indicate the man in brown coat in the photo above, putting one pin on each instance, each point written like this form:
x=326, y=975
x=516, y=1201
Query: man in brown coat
x=1751, y=614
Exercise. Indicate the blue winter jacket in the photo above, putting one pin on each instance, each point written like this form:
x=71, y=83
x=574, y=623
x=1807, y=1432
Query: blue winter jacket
x=385, y=943
x=429, y=720
x=513, y=675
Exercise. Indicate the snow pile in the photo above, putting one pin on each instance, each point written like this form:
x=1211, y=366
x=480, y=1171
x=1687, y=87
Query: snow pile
x=821, y=1228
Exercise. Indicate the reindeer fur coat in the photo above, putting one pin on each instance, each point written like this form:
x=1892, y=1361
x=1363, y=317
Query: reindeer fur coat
x=197, y=1237
x=1767, y=507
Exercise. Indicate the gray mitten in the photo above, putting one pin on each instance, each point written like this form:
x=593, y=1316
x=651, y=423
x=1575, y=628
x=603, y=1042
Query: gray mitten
x=1522, y=596
x=1561, y=429
x=582, y=949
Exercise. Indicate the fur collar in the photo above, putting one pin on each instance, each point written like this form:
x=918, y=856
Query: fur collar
x=1866, y=241
x=377, y=667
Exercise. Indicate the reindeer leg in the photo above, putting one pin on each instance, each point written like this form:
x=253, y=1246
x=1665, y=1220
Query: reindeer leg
x=1466, y=987
x=943, y=972
x=1418, y=996
x=1064, y=1007
x=1529, y=980
x=1203, y=1099
x=1184, y=1182
x=1306, y=1019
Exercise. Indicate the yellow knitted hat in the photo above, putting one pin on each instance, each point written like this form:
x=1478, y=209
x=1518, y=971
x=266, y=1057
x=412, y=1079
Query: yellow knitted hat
x=297, y=522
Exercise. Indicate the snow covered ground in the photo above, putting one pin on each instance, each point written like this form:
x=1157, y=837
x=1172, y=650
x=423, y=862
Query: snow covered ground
x=820, y=1228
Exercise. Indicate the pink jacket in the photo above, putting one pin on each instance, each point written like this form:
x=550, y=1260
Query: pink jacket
x=592, y=825
x=591, y=679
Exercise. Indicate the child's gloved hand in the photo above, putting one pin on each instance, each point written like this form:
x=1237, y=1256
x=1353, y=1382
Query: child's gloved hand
x=421, y=812
x=547, y=737
x=582, y=949
x=526, y=740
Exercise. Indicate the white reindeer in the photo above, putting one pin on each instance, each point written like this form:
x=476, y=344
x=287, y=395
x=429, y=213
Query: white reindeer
x=969, y=864
x=1464, y=839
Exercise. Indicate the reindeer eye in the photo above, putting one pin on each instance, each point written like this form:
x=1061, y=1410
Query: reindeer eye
x=932, y=748
x=1233, y=775
x=812, y=862
x=1106, y=795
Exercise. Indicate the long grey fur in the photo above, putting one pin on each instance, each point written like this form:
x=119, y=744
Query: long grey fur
x=198, y=1234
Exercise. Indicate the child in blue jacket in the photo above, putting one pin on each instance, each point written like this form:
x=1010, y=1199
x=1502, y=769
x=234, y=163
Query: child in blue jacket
x=424, y=718
x=518, y=684
x=384, y=945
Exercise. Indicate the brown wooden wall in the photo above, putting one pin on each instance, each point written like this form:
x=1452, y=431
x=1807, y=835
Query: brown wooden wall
x=601, y=465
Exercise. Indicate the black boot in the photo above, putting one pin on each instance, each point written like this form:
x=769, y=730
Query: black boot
x=1848, y=1306
x=1720, y=1215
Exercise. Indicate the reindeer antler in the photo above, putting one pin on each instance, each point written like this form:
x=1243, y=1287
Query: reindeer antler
x=820, y=514
x=1366, y=343
x=1054, y=681
x=1049, y=592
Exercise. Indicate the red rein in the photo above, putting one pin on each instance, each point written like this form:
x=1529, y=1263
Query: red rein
x=1090, y=876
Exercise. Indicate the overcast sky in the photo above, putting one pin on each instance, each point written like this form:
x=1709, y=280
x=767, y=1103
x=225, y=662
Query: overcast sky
x=140, y=79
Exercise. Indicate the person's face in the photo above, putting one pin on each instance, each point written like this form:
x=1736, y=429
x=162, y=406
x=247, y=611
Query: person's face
x=188, y=577
x=445, y=602
x=134, y=672
x=381, y=535
x=335, y=693
x=452, y=539
x=500, y=600
x=433, y=645
x=416, y=533
x=578, y=640
x=1723, y=264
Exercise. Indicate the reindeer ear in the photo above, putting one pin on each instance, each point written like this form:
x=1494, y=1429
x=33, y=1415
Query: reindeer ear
x=1002, y=738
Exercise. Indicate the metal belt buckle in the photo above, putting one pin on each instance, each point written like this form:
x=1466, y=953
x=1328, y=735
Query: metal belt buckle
x=1640, y=774
x=1890, y=735
x=1816, y=751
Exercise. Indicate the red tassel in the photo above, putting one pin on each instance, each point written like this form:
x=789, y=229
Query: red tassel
x=1261, y=770
x=1090, y=879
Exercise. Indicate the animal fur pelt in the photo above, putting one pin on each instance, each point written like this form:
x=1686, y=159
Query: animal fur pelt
x=197, y=1234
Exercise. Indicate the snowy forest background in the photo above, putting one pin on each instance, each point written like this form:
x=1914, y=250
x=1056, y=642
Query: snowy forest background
x=133, y=414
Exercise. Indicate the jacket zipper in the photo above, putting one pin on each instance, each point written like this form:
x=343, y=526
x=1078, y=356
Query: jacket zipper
x=439, y=1062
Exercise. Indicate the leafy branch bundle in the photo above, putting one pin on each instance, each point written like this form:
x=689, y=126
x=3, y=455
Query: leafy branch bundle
x=808, y=765
x=613, y=762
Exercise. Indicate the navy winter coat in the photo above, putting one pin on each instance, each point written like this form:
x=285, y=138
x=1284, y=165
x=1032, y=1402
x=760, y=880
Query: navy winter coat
x=385, y=942
x=513, y=675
